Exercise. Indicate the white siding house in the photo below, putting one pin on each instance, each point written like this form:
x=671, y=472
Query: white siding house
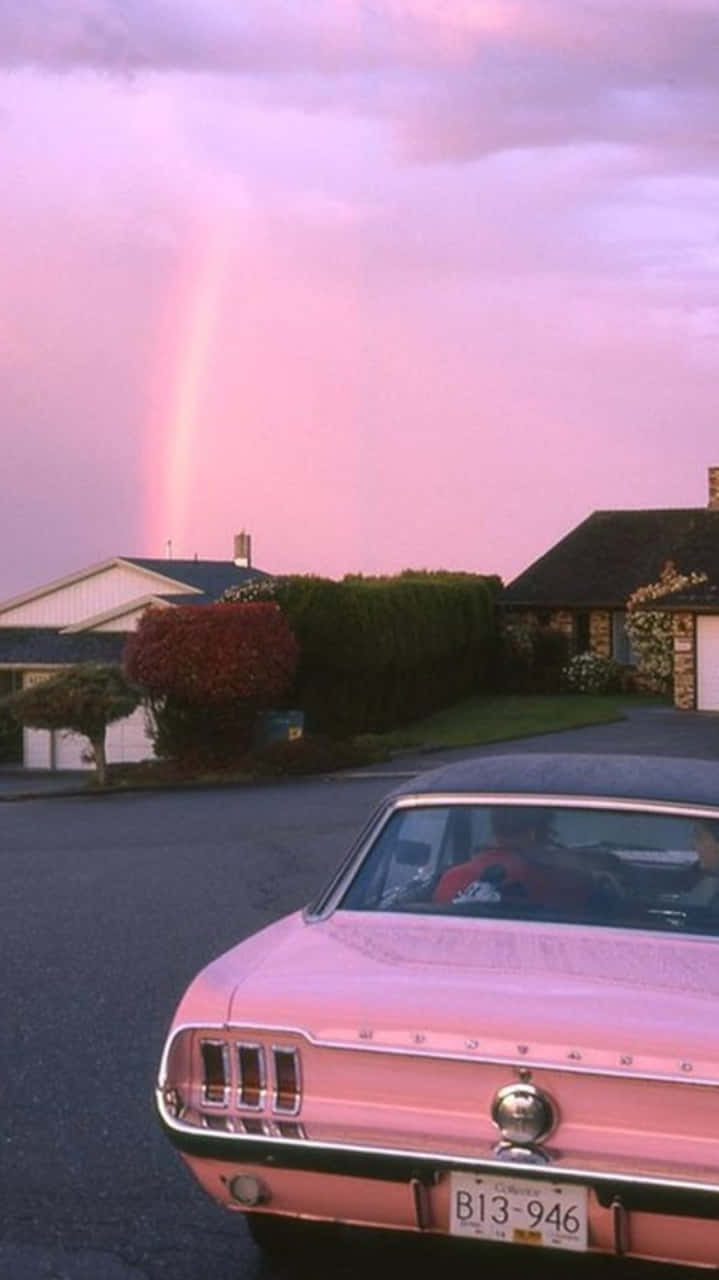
x=86, y=617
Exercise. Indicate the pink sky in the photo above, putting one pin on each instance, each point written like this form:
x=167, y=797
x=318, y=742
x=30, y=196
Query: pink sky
x=387, y=283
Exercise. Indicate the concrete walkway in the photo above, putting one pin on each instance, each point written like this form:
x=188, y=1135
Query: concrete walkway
x=662, y=731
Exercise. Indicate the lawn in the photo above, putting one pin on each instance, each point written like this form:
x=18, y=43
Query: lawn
x=493, y=718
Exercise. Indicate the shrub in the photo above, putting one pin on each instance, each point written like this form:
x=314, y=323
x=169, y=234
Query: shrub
x=82, y=699
x=592, y=673
x=379, y=652
x=533, y=657
x=208, y=669
x=313, y=753
x=10, y=738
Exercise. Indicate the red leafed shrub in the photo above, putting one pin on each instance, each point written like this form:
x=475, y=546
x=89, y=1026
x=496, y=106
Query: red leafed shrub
x=213, y=653
x=207, y=669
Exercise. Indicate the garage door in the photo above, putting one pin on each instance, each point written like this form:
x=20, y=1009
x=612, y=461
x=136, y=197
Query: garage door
x=708, y=664
x=126, y=740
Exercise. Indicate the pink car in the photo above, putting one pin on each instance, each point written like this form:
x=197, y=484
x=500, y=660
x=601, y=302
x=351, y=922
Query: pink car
x=499, y=1021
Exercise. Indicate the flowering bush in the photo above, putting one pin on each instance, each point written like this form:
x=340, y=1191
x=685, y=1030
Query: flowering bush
x=650, y=630
x=253, y=591
x=591, y=673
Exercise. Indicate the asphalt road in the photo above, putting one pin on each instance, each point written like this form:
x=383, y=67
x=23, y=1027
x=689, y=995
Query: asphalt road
x=110, y=905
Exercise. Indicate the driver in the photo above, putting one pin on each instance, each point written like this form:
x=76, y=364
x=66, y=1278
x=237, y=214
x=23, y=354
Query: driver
x=705, y=891
x=521, y=864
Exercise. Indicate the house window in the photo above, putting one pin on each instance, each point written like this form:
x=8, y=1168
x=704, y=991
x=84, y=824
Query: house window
x=621, y=648
x=581, y=631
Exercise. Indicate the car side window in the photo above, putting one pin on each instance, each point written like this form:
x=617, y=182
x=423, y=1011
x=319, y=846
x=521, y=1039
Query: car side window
x=407, y=852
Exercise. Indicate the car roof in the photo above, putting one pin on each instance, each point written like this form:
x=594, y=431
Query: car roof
x=630, y=777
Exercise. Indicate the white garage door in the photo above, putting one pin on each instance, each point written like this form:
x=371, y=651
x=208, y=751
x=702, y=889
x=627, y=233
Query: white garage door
x=126, y=740
x=69, y=750
x=708, y=664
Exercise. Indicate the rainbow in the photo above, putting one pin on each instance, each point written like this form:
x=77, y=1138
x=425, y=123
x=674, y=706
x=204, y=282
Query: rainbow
x=188, y=338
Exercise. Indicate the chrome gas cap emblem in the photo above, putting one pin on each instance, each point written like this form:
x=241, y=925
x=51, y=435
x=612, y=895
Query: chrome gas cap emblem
x=523, y=1114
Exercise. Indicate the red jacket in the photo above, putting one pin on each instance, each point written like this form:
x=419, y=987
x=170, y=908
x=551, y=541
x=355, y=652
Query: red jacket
x=516, y=873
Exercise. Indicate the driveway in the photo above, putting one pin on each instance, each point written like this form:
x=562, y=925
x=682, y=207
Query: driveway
x=654, y=731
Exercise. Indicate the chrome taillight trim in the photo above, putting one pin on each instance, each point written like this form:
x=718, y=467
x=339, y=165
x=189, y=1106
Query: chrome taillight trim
x=291, y=1129
x=207, y=1085
x=217, y=1124
x=253, y=1126
x=257, y=1050
x=286, y=1101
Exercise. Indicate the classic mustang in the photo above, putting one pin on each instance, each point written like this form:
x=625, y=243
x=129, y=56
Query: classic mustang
x=500, y=1020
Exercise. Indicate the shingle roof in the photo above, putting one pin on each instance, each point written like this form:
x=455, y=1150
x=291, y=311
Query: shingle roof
x=612, y=553
x=704, y=598
x=38, y=646
x=212, y=577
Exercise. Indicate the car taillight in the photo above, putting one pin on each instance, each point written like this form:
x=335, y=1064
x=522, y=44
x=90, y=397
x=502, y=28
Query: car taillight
x=251, y=1075
x=215, y=1069
x=286, y=1080
x=212, y=1079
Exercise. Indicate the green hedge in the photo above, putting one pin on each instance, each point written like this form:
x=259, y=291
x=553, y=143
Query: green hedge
x=377, y=653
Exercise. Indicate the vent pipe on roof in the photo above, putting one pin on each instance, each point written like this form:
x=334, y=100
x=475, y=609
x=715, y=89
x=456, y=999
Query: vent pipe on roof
x=243, y=550
x=713, y=489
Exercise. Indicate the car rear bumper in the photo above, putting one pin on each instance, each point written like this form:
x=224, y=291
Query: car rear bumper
x=616, y=1188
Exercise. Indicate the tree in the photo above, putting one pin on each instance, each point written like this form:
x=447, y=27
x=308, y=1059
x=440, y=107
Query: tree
x=650, y=630
x=208, y=669
x=83, y=699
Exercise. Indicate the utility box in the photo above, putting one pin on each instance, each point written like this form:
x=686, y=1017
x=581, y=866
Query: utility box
x=279, y=726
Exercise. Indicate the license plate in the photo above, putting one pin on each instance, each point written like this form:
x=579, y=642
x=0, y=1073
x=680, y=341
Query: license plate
x=519, y=1211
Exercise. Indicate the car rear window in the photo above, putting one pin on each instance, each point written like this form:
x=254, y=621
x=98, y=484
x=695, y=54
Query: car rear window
x=626, y=867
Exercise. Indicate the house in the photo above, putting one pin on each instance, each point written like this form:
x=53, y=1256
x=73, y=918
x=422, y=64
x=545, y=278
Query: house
x=581, y=586
x=86, y=617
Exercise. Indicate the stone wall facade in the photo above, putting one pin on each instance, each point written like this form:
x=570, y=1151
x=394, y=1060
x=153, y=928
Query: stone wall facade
x=685, y=660
x=600, y=632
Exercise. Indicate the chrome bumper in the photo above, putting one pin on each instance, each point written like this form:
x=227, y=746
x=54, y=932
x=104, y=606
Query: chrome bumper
x=692, y=1193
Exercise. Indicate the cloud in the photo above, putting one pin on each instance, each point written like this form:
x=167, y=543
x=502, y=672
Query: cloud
x=193, y=35
x=455, y=79
x=641, y=39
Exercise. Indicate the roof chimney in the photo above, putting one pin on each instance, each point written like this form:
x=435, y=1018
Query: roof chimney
x=243, y=543
x=713, y=489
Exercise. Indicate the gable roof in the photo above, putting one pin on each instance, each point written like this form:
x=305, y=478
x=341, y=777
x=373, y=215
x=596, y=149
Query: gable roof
x=211, y=577
x=611, y=553
x=205, y=580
